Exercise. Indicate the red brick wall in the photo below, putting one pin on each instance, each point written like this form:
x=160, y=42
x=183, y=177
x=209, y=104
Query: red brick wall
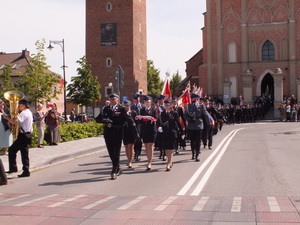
x=130, y=48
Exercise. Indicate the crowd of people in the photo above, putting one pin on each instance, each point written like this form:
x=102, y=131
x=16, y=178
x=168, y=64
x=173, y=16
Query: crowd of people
x=163, y=125
x=289, y=110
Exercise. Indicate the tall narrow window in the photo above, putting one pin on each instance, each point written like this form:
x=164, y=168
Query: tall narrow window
x=108, y=62
x=268, y=51
x=108, y=6
x=232, y=52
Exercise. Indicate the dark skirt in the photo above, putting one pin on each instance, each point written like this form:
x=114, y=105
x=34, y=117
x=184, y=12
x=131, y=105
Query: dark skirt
x=168, y=143
x=149, y=138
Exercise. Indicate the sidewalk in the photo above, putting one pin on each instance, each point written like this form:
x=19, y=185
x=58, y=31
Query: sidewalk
x=43, y=157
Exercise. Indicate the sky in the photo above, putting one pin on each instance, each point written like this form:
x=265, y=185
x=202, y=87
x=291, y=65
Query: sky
x=173, y=31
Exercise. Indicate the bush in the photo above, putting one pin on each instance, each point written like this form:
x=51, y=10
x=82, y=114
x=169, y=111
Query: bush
x=72, y=131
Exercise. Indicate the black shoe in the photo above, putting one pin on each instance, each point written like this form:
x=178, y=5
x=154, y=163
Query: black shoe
x=209, y=148
x=119, y=172
x=113, y=176
x=11, y=171
x=176, y=152
x=197, y=159
x=24, y=175
x=168, y=168
x=54, y=143
x=193, y=157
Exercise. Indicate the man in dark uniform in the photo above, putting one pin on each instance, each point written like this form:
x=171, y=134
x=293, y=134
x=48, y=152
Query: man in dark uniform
x=114, y=118
x=137, y=106
x=180, y=138
x=194, y=115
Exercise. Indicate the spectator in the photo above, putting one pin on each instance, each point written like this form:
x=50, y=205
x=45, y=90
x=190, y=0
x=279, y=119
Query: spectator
x=39, y=118
x=52, y=122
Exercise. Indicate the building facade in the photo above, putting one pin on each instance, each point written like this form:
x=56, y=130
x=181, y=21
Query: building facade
x=116, y=38
x=250, y=48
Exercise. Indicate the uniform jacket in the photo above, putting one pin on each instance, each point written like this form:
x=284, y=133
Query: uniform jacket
x=194, y=115
x=112, y=119
x=170, y=124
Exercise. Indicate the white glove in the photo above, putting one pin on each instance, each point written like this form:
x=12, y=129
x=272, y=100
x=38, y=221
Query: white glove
x=182, y=137
x=160, y=130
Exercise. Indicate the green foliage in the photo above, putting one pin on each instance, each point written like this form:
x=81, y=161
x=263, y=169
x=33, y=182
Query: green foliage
x=7, y=85
x=155, y=84
x=72, y=131
x=85, y=88
x=38, y=81
x=175, y=81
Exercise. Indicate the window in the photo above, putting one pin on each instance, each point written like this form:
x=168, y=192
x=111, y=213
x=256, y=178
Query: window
x=108, y=62
x=268, y=51
x=108, y=6
x=108, y=91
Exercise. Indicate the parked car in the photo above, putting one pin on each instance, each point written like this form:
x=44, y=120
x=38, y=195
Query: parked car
x=81, y=118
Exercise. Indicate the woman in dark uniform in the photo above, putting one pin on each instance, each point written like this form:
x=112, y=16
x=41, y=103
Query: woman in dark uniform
x=148, y=116
x=130, y=132
x=169, y=126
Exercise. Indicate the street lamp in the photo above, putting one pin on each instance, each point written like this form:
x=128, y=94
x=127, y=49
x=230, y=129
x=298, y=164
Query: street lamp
x=62, y=45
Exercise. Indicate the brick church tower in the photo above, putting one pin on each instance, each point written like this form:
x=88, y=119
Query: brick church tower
x=250, y=48
x=116, y=36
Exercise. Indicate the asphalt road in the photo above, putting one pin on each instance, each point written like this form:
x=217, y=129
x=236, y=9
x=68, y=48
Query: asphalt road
x=259, y=160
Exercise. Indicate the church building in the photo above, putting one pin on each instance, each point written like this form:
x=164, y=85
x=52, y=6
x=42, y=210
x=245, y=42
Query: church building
x=250, y=48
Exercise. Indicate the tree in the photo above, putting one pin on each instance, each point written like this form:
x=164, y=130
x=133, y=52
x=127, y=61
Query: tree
x=84, y=88
x=38, y=81
x=7, y=85
x=155, y=84
x=175, y=81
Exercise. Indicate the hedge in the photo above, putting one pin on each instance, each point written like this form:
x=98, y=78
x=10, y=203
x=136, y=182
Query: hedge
x=71, y=132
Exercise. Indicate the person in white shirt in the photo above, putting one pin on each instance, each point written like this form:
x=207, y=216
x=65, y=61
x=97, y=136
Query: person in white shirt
x=23, y=140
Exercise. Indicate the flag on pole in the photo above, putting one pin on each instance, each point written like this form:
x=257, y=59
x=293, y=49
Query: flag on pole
x=166, y=91
x=185, y=98
x=61, y=82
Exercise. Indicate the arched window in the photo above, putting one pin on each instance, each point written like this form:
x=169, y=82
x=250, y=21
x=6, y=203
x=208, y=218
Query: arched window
x=232, y=52
x=268, y=51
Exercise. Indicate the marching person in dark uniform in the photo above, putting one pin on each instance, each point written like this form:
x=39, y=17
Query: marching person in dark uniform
x=169, y=126
x=148, y=119
x=130, y=132
x=23, y=140
x=215, y=116
x=160, y=108
x=137, y=106
x=194, y=115
x=181, y=138
x=114, y=118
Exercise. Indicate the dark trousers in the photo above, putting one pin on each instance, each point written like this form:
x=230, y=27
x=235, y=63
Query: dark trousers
x=22, y=143
x=2, y=172
x=138, y=147
x=195, y=137
x=113, y=140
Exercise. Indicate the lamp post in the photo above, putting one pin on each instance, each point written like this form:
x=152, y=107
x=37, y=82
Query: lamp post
x=62, y=45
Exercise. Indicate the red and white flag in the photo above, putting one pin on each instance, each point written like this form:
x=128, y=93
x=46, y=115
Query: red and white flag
x=185, y=98
x=49, y=104
x=166, y=91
